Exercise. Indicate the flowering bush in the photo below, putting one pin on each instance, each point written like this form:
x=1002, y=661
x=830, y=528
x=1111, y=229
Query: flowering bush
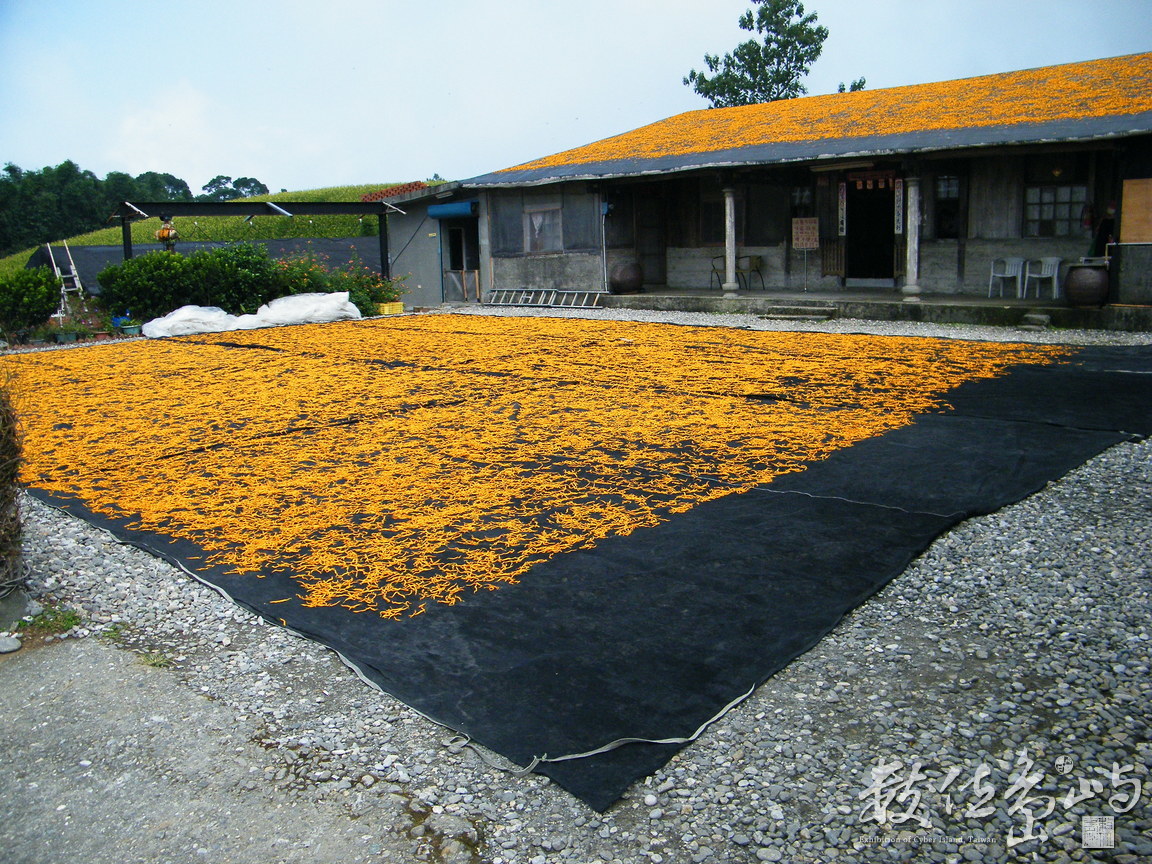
x=366, y=288
x=300, y=273
x=307, y=272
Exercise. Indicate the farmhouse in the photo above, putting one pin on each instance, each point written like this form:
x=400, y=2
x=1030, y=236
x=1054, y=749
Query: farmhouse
x=901, y=191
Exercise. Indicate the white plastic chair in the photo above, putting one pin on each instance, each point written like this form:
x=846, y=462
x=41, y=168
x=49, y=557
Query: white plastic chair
x=1005, y=268
x=1041, y=269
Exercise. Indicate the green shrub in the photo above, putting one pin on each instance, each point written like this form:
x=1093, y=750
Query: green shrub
x=236, y=277
x=239, y=278
x=28, y=298
x=148, y=286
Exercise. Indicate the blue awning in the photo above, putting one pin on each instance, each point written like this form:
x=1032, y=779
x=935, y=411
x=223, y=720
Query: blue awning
x=454, y=210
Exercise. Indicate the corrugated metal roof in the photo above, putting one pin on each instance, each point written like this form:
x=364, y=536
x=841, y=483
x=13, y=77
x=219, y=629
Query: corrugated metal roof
x=1072, y=102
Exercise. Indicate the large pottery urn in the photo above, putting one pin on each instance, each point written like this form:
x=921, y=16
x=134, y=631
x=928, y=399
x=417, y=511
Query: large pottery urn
x=1087, y=285
x=627, y=277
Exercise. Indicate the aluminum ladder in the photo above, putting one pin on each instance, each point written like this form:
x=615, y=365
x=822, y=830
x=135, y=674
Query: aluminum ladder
x=545, y=297
x=69, y=279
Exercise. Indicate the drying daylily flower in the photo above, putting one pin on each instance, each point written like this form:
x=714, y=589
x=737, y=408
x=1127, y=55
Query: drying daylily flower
x=1098, y=88
x=391, y=463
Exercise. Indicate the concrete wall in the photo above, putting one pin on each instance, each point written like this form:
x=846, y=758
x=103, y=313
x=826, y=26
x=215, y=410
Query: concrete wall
x=980, y=253
x=414, y=246
x=691, y=269
x=570, y=271
x=1132, y=282
x=939, y=267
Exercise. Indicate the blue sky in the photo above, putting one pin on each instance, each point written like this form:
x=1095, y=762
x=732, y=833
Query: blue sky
x=307, y=94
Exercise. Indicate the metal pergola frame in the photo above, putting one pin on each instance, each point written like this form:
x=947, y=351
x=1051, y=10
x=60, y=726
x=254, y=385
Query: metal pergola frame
x=128, y=212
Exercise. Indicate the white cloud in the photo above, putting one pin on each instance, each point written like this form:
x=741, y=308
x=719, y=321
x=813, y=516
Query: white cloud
x=181, y=130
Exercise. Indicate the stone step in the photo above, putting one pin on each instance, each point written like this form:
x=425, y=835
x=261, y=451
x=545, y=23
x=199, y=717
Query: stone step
x=798, y=313
x=794, y=317
x=1035, y=321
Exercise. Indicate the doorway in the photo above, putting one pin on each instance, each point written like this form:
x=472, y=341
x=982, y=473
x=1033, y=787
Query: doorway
x=870, y=242
x=651, y=244
x=461, y=259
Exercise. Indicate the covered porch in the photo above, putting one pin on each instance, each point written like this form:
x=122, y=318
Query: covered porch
x=890, y=305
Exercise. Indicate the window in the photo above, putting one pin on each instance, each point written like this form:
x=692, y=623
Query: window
x=712, y=219
x=1053, y=211
x=581, y=220
x=542, y=228
x=619, y=227
x=766, y=214
x=947, y=207
x=533, y=223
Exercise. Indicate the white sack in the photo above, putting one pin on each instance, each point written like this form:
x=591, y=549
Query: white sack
x=308, y=309
x=188, y=320
x=297, y=309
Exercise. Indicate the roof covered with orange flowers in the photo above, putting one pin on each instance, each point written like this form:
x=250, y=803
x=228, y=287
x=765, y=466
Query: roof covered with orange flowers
x=1070, y=102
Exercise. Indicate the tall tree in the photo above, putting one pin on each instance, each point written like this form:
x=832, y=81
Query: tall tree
x=768, y=69
x=219, y=188
x=246, y=187
x=37, y=206
x=154, y=186
x=54, y=203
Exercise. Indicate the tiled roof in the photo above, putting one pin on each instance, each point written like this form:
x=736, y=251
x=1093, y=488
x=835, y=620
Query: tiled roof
x=395, y=191
x=1068, y=101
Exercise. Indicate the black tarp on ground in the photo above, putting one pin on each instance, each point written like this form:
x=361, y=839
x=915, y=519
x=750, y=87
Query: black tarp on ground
x=652, y=634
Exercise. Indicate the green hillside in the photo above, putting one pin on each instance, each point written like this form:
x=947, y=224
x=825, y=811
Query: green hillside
x=234, y=227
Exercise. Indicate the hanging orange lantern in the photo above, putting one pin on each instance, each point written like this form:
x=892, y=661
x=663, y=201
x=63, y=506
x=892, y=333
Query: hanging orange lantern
x=167, y=234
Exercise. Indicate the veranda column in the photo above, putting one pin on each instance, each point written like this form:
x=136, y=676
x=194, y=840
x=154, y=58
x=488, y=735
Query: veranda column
x=911, y=289
x=730, y=283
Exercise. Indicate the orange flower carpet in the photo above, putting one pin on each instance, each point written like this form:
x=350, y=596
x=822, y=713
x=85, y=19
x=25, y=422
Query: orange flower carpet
x=555, y=534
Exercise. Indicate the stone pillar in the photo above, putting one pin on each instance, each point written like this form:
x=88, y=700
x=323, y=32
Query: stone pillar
x=731, y=285
x=911, y=289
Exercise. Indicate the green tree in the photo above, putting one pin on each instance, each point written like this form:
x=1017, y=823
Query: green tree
x=768, y=69
x=38, y=206
x=55, y=203
x=856, y=85
x=153, y=186
x=222, y=188
x=219, y=188
x=246, y=187
x=118, y=187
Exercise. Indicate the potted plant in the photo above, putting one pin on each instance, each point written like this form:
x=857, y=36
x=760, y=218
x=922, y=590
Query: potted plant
x=103, y=327
x=65, y=333
x=130, y=326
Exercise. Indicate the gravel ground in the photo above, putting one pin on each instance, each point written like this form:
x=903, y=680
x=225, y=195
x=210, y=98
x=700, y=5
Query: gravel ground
x=991, y=704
